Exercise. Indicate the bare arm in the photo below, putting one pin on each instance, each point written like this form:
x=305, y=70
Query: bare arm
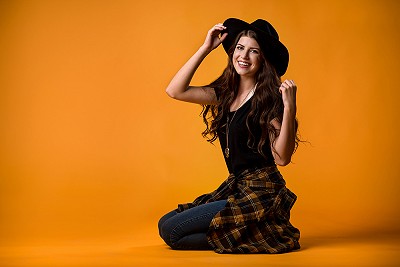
x=179, y=87
x=284, y=143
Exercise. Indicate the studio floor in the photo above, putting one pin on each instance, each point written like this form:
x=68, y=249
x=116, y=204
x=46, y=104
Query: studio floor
x=345, y=251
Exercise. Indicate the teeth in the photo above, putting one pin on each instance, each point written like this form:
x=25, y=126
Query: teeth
x=243, y=63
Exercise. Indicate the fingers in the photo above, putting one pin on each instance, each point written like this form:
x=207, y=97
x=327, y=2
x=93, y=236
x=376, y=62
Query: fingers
x=217, y=28
x=214, y=37
x=288, y=92
x=287, y=84
x=223, y=36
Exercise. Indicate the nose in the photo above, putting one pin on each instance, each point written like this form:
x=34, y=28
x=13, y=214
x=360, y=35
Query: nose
x=245, y=54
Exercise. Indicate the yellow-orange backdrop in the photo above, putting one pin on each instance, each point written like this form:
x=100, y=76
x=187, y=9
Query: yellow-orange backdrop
x=93, y=149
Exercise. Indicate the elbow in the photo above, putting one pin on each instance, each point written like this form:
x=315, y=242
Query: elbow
x=175, y=92
x=170, y=93
x=283, y=161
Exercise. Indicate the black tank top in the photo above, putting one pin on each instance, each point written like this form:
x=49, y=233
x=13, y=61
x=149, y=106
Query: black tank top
x=241, y=156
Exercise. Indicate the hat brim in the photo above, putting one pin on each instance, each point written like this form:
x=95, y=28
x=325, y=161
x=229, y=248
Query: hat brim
x=275, y=52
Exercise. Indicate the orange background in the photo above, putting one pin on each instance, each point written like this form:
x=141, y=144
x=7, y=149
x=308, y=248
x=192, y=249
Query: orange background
x=92, y=149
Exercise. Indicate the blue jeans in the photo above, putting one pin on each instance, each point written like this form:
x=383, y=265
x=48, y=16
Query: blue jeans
x=188, y=229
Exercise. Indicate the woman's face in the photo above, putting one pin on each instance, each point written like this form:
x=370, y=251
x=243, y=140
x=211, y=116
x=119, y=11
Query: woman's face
x=246, y=57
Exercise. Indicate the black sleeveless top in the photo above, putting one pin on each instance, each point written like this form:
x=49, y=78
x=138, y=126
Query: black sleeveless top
x=241, y=156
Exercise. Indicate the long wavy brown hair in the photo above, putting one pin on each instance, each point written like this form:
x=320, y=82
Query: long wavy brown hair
x=266, y=104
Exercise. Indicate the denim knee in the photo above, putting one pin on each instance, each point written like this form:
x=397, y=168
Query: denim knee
x=161, y=222
x=180, y=230
x=174, y=233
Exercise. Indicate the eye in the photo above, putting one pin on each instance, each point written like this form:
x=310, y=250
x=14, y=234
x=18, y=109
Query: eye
x=239, y=47
x=255, y=51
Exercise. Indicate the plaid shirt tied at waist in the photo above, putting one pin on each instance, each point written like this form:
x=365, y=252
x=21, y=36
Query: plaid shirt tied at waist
x=256, y=216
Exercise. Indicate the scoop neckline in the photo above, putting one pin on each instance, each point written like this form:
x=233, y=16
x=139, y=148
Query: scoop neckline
x=248, y=100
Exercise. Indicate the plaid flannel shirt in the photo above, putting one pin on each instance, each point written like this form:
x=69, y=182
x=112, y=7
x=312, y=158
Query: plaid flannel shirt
x=256, y=216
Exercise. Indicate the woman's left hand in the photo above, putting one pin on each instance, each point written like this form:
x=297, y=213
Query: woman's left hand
x=288, y=90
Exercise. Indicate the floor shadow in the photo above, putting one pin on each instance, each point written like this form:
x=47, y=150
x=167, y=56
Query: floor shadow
x=308, y=242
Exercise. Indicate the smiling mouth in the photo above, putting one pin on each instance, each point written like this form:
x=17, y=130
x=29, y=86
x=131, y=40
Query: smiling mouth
x=243, y=64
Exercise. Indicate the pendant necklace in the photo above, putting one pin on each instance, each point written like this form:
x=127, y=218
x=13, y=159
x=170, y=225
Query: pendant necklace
x=228, y=123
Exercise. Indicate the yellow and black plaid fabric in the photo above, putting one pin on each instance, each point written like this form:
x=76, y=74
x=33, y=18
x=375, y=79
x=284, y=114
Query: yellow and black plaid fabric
x=256, y=216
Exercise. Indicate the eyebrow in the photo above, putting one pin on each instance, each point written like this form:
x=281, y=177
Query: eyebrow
x=250, y=47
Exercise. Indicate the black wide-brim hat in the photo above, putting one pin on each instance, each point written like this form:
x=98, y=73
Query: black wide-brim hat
x=268, y=39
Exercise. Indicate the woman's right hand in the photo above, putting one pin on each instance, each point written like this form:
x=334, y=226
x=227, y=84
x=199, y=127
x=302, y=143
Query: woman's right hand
x=212, y=39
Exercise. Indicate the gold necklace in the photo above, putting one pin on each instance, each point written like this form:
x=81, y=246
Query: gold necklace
x=228, y=124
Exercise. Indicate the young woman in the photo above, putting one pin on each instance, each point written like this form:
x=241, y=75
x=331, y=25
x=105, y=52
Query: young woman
x=253, y=114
